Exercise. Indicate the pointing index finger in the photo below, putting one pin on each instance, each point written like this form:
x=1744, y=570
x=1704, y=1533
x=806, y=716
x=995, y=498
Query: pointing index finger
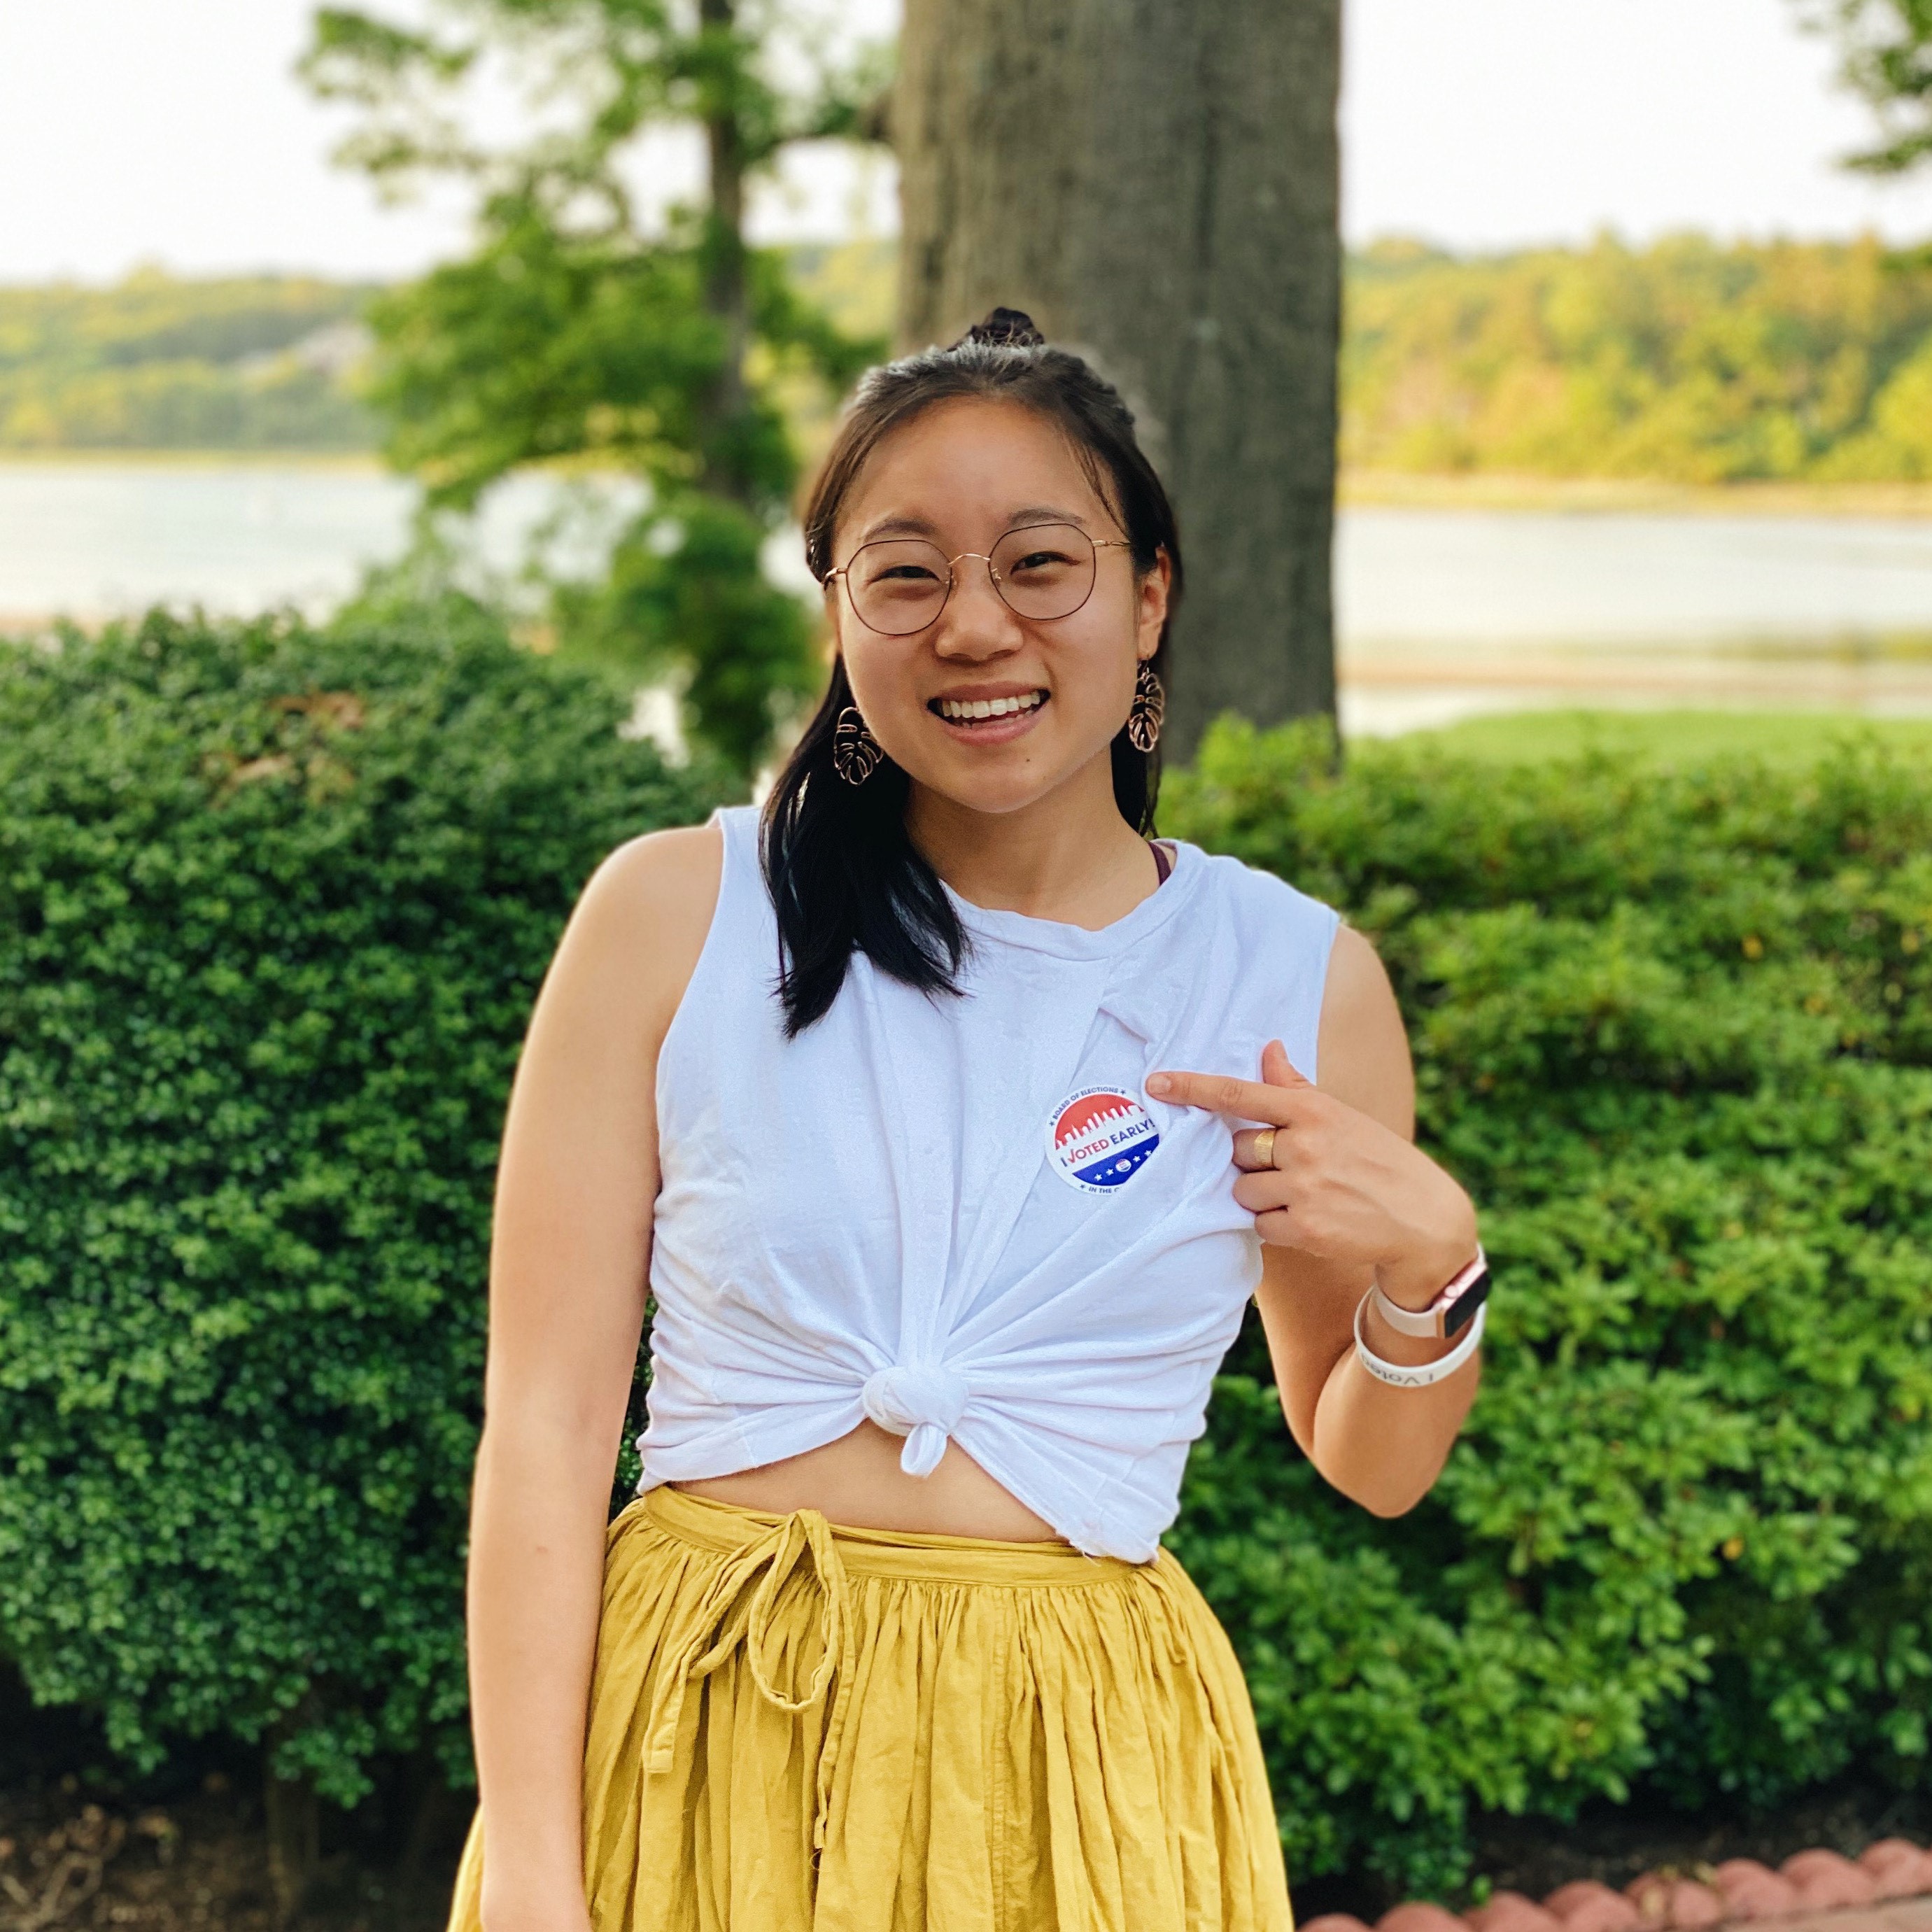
x=1219, y=1094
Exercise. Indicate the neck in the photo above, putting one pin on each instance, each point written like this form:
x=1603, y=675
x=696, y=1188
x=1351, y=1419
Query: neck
x=1070, y=857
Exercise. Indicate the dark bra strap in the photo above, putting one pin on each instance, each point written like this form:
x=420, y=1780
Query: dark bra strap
x=1162, y=864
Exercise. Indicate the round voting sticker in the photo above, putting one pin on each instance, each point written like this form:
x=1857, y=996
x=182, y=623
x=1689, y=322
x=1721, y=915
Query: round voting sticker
x=1099, y=1138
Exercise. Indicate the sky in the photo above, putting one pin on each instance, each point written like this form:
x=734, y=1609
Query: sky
x=132, y=131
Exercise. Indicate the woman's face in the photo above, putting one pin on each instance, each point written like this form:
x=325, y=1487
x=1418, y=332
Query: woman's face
x=960, y=477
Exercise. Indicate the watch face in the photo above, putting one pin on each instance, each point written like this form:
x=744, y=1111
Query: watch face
x=1462, y=1311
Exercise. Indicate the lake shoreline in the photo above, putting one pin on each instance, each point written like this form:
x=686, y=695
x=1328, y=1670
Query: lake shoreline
x=321, y=462
x=1613, y=496
x=1484, y=491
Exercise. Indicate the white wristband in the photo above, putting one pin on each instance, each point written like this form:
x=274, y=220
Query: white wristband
x=1397, y=1376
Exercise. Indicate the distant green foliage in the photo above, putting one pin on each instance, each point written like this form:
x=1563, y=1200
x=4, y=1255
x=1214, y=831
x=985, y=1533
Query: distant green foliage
x=1789, y=738
x=1685, y=360
x=581, y=326
x=1673, y=1028
x=273, y=910
x=1886, y=46
x=156, y=362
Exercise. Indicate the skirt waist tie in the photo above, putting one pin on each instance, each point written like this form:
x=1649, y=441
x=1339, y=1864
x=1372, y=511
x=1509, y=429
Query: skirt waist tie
x=729, y=1617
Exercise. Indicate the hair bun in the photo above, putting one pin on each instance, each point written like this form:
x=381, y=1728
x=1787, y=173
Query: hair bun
x=1006, y=328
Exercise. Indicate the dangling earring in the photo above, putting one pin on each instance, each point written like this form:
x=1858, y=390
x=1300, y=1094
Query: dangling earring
x=855, y=754
x=1150, y=707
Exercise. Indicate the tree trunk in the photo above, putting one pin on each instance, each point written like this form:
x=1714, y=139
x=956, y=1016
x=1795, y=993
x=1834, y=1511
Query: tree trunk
x=295, y=1842
x=1155, y=181
x=293, y=1821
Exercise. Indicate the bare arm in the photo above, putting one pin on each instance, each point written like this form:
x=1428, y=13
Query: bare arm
x=1383, y=1447
x=569, y=1260
x=1348, y=1200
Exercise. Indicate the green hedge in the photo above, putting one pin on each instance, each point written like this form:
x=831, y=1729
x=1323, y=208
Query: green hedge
x=273, y=906
x=1674, y=1030
x=273, y=909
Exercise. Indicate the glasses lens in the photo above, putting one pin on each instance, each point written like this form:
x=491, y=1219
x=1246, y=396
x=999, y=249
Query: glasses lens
x=897, y=586
x=1044, y=571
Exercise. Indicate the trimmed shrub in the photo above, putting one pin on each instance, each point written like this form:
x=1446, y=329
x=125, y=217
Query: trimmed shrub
x=274, y=906
x=1674, y=1030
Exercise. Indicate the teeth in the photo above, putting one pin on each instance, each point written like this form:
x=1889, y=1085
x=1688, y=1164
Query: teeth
x=962, y=709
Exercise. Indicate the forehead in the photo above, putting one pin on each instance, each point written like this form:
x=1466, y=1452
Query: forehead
x=968, y=466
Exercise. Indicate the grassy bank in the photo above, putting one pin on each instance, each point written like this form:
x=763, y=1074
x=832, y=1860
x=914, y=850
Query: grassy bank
x=1672, y=739
x=1628, y=495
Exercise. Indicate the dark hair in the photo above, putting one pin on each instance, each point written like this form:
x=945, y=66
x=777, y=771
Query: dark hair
x=843, y=872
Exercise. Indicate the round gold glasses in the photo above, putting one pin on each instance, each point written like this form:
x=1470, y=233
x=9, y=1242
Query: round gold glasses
x=897, y=586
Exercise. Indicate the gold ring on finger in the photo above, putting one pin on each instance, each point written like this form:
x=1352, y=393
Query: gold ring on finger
x=1265, y=1147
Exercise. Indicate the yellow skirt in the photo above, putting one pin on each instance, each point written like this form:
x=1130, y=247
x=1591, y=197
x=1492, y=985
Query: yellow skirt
x=795, y=1726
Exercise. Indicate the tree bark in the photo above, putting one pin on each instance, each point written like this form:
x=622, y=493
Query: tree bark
x=294, y=1830
x=1155, y=181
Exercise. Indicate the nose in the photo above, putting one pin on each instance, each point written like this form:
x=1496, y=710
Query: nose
x=976, y=623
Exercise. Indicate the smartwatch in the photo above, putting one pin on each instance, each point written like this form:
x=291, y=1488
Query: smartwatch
x=1451, y=1311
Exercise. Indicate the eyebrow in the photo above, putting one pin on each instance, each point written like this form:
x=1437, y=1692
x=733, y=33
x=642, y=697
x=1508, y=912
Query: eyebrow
x=1045, y=513
x=919, y=526
x=897, y=527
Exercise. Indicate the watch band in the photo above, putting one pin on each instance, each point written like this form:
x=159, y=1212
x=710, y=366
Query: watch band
x=1399, y=1374
x=1457, y=1303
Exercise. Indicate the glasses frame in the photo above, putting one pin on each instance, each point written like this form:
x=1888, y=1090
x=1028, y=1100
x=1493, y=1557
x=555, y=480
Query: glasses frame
x=1099, y=544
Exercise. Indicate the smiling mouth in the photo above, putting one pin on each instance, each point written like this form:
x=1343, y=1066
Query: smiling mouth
x=970, y=711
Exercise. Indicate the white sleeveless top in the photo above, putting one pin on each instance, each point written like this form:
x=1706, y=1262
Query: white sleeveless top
x=963, y=1217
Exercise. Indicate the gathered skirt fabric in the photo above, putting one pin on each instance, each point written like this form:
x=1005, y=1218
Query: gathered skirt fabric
x=796, y=1725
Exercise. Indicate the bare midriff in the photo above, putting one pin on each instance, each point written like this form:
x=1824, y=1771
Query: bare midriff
x=857, y=1481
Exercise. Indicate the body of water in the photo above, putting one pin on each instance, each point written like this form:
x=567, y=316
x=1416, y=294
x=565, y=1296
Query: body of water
x=1440, y=612
x=1487, y=578
x=98, y=539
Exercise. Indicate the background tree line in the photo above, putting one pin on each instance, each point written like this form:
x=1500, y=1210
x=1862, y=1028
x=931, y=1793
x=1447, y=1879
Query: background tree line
x=1686, y=361
x=158, y=361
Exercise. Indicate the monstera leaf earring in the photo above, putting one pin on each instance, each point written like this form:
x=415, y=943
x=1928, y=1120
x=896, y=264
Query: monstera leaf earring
x=1150, y=707
x=855, y=754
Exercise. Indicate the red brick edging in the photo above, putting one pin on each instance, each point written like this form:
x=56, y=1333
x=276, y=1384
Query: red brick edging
x=1806, y=1884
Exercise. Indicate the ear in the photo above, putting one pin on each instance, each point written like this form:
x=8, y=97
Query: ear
x=1150, y=605
x=835, y=613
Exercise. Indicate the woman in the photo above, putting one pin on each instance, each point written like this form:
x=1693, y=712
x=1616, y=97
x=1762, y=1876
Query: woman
x=911, y=1102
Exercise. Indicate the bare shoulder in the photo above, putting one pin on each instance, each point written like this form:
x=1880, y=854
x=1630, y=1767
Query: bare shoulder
x=1362, y=1052
x=672, y=875
x=635, y=938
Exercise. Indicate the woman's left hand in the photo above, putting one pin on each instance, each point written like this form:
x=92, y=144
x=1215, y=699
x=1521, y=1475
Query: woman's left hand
x=1331, y=1181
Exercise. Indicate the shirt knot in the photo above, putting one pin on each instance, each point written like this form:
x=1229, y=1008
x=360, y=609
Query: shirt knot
x=923, y=1404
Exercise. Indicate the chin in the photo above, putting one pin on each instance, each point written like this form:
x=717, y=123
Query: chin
x=998, y=780
x=1055, y=791
x=994, y=800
